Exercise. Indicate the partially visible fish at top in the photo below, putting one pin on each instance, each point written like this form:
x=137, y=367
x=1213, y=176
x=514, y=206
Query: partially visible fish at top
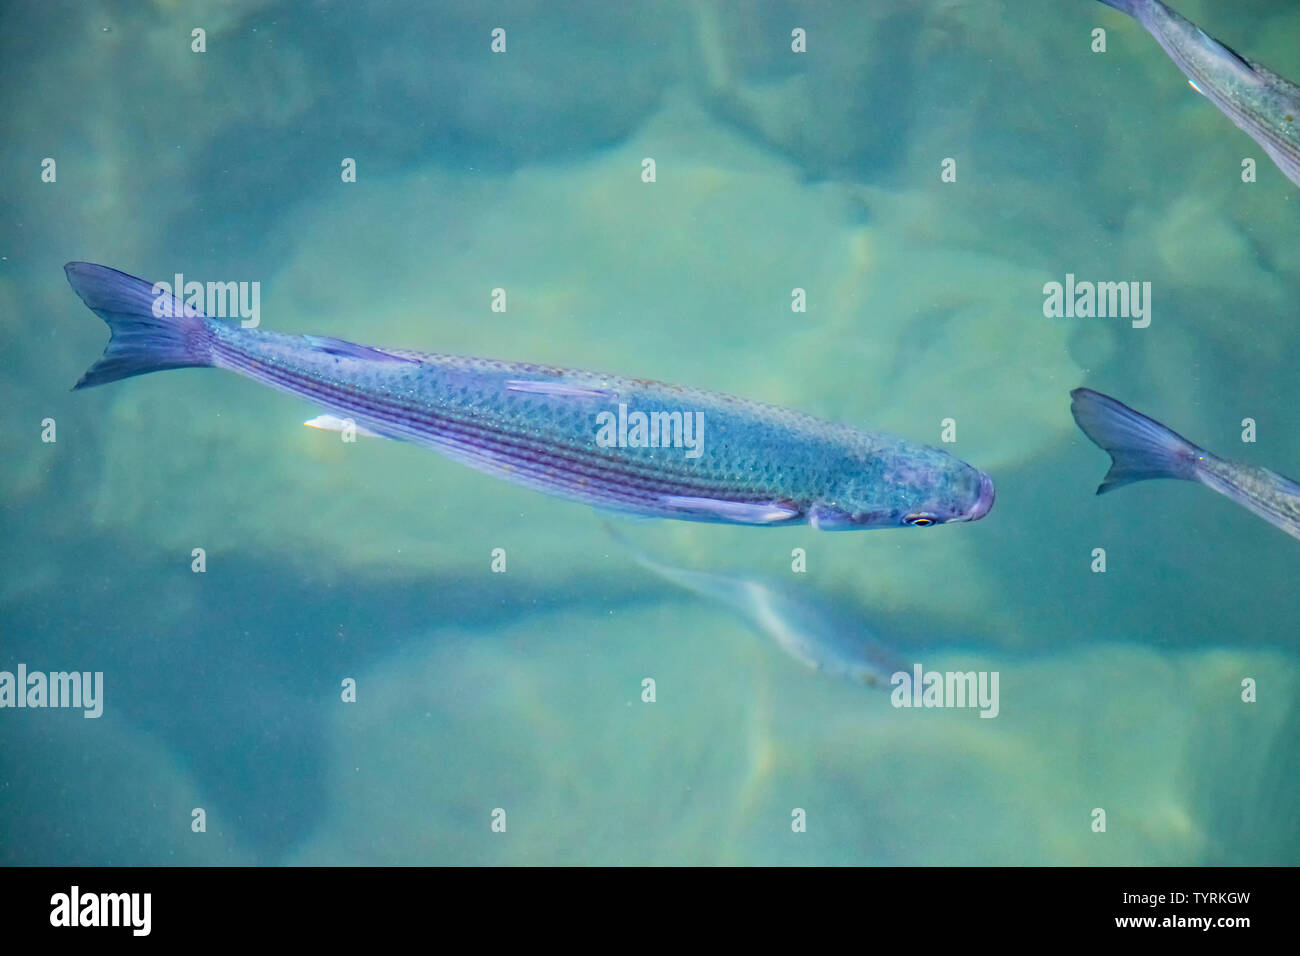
x=1141, y=448
x=561, y=431
x=806, y=628
x=1264, y=105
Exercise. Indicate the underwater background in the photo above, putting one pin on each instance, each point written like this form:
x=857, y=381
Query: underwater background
x=522, y=690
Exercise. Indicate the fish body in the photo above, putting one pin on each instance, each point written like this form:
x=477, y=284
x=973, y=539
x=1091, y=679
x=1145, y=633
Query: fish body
x=818, y=637
x=560, y=431
x=1141, y=448
x=1263, y=104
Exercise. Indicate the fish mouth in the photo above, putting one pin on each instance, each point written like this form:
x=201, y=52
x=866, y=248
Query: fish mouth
x=985, y=500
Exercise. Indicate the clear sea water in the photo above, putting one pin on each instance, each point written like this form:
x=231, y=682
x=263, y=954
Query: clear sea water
x=479, y=691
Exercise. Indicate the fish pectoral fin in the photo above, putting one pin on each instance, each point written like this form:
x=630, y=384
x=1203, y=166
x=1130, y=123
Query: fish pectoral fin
x=1229, y=57
x=332, y=423
x=552, y=387
x=829, y=518
x=741, y=512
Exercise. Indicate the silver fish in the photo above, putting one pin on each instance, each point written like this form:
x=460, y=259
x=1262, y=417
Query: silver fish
x=1141, y=448
x=553, y=429
x=1264, y=105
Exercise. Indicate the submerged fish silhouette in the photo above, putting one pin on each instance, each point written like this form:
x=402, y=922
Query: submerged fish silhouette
x=816, y=635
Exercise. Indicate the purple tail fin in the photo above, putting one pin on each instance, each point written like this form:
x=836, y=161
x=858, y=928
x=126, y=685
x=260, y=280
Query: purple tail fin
x=142, y=339
x=1140, y=448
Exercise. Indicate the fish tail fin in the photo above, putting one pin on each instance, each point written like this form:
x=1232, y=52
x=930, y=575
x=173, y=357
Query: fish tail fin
x=1140, y=448
x=143, y=340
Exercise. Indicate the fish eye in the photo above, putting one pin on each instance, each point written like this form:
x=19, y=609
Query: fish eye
x=920, y=519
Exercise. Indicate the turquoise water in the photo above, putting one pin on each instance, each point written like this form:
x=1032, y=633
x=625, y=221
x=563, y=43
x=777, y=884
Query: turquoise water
x=521, y=691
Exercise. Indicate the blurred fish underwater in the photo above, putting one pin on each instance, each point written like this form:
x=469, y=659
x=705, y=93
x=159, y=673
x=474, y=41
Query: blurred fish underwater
x=806, y=627
x=350, y=652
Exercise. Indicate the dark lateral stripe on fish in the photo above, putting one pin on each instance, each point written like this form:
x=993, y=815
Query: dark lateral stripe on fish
x=533, y=458
x=489, y=447
x=469, y=437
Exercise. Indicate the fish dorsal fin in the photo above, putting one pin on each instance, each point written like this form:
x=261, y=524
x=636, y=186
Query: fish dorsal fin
x=345, y=349
x=1230, y=57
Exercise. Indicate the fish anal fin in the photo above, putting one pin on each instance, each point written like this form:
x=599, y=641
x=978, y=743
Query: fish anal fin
x=332, y=423
x=345, y=349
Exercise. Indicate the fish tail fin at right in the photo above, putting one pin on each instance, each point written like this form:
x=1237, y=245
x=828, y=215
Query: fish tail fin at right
x=142, y=340
x=1140, y=448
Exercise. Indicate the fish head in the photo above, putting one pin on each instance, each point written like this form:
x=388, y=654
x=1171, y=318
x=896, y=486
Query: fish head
x=910, y=487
